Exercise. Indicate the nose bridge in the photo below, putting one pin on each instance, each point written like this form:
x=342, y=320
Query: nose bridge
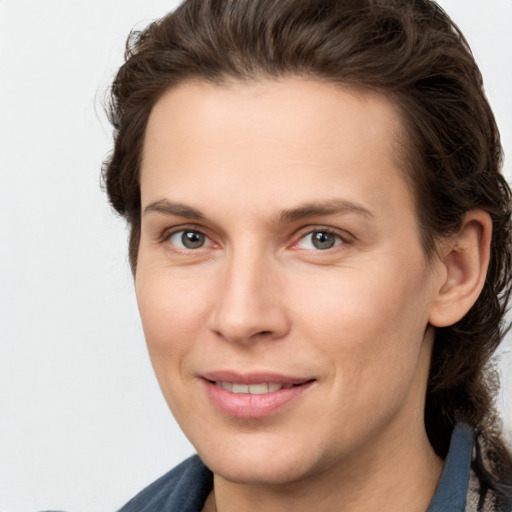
x=248, y=298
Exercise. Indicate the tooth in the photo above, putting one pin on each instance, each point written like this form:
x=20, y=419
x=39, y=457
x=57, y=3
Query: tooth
x=258, y=389
x=240, y=388
x=226, y=385
x=253, y=389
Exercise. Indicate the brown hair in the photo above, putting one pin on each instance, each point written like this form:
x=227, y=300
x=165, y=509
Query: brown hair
x=408, y=50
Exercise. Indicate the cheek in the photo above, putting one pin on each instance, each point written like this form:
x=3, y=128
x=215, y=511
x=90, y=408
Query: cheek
x=172, y=315
x=372, y=338
x=376, y=321
x=172, y=310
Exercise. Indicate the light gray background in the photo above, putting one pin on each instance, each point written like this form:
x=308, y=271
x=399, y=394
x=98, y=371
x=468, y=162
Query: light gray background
x=83, y=426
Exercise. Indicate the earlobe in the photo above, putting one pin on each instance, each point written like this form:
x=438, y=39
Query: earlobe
x=464, y=259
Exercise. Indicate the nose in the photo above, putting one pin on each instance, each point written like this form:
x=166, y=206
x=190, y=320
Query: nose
x=250, y=304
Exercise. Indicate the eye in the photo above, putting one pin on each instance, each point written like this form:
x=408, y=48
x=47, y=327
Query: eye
x=319, y=240
x=188, y=239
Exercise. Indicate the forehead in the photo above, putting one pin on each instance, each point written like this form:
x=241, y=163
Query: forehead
x=295, y=108
x=271, y=134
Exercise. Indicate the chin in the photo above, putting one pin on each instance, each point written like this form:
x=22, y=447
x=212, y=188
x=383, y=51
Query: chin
x=257, y=473
x=260, y=464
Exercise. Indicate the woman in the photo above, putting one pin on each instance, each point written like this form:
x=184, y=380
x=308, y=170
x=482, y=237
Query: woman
x=320, y=239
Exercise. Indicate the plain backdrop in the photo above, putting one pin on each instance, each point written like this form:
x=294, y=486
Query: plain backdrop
x=83, y=425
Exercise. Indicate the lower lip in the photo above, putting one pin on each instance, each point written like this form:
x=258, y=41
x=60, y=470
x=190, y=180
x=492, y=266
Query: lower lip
x=245, y=405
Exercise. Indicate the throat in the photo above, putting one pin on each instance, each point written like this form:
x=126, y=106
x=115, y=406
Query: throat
x=209, y=504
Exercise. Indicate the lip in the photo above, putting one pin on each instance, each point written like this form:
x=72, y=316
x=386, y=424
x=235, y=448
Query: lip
x=249, y=406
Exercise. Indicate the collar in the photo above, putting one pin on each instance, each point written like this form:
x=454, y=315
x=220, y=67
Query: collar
x=450, y=495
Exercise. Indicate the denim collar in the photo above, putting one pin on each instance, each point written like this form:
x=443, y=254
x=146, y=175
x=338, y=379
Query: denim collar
x=450, y=495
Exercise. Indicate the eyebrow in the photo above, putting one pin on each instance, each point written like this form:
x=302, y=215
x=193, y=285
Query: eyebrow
x=176, y=209
x=334, y=206
x=314, y=209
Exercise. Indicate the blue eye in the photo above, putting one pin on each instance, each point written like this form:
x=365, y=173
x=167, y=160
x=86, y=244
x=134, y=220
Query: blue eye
x=320, y=240
x=188, y=239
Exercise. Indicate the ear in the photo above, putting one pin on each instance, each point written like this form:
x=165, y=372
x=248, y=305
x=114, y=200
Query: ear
x=464, y=258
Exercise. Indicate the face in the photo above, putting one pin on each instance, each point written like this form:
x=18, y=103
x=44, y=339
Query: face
x=282, y=286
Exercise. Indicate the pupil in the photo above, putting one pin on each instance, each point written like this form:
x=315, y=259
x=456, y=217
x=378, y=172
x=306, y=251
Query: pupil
x=192, y=239
x=323, y=240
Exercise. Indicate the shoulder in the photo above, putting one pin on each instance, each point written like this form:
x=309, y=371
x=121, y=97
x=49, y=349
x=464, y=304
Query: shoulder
x=182, y=489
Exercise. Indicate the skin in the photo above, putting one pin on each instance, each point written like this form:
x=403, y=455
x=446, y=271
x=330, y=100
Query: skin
x=259, y=296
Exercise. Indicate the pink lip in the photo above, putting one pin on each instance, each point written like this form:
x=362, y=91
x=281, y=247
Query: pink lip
x=245, y=405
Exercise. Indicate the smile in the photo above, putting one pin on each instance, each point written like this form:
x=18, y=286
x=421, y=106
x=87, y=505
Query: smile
x=252, y=389
x=254, y=396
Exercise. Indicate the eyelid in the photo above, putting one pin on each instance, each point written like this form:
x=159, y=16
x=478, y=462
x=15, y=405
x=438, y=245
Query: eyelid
x=169, y=232
x=345, y=237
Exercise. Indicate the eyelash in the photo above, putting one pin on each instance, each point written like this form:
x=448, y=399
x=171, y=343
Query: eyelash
x=167, y=235
x=340, y=238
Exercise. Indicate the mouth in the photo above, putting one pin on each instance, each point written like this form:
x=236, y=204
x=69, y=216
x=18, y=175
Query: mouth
x=253, y=389
x=254, y=396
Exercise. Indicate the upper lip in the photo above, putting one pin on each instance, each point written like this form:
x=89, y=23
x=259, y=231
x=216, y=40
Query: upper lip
x=253, y=377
